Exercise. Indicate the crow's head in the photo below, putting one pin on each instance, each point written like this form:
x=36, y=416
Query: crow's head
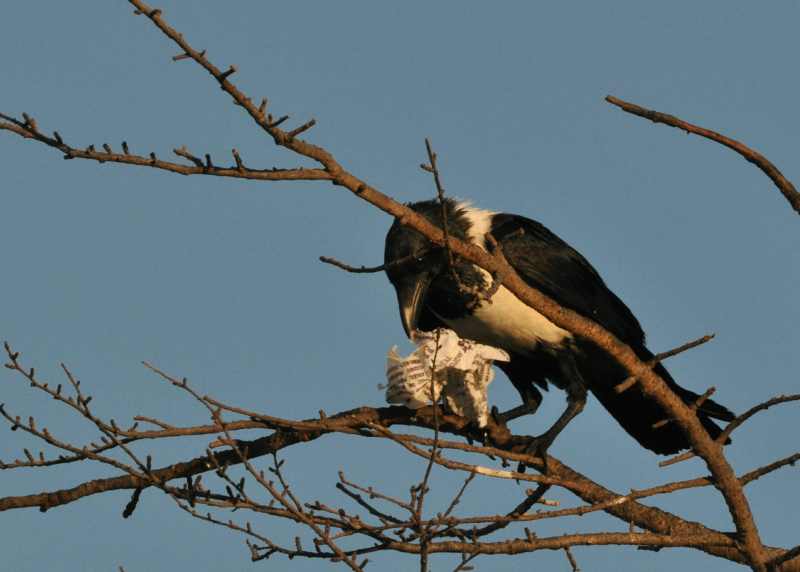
x=414, y=263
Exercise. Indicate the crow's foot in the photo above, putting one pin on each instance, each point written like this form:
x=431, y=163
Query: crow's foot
x=537, y=447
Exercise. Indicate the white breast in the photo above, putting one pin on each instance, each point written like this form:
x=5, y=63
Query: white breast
x=506, y=322
x=509, y=324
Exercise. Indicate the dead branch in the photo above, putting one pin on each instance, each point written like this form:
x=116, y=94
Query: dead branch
x=785, y=186
x=29, y=130
x=368, y=422
x=368, y=269
x=733, y=425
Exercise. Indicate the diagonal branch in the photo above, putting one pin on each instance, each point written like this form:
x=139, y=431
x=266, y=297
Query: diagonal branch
x=785, y=186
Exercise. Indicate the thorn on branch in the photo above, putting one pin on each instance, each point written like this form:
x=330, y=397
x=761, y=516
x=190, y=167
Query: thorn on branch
x=184, y=152
x=58, y=137
x=277, y=122
x=703, y=398
x=625, y=385
x=228, y=72
x=660, y=424
x=303, y=128
x=238, y=159
x=30, y=122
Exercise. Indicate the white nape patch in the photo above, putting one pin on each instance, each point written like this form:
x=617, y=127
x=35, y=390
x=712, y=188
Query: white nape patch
x=480, y=223
x=506, y=322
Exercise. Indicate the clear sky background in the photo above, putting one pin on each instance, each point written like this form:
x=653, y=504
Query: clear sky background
x=218, y=280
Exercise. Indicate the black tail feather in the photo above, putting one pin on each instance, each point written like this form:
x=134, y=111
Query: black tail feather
x=638, y=414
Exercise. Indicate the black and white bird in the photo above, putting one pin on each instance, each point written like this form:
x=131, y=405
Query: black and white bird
x=433, y=294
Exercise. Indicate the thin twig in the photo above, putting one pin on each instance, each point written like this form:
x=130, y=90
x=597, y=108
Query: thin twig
x=658, y=358
x=371, y=269
x=572, y=562
x=733, y=425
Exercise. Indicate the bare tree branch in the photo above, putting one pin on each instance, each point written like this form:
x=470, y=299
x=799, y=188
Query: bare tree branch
x=785, y=186
x=354, y=422
x=29, y=130
x=736, y=423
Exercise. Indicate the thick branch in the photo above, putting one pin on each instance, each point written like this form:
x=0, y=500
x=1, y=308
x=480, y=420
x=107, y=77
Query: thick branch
x=628, y=510
x=519, y=546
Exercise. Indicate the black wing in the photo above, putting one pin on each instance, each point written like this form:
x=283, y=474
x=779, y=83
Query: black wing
x=553, y=267
x=550, y=265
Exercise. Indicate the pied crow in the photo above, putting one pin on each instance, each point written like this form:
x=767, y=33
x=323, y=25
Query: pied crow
x=431, y=293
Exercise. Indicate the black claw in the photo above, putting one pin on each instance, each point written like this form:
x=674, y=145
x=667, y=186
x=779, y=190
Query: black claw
x=537, y=447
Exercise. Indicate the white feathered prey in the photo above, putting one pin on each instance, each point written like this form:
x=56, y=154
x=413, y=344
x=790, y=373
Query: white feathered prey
x=444, y=363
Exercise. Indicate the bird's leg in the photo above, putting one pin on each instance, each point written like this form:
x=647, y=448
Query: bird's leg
x=576, y=400
x=531, y=399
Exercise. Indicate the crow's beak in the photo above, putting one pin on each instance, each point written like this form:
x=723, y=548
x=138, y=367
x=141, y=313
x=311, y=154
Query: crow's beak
x=411, y=298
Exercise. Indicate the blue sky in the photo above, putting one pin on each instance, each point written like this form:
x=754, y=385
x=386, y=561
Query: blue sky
x=218, y=280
